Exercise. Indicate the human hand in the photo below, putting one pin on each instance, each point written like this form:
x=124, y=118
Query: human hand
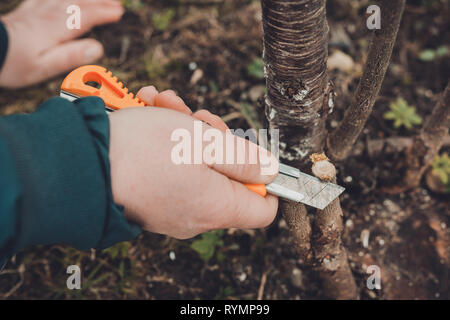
x=181, y=200
x=40, y=44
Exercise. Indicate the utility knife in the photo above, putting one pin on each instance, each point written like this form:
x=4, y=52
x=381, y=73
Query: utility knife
x=290, y=183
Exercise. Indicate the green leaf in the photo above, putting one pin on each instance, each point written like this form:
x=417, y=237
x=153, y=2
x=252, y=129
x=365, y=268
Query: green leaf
x=213, y=86
x=132, y=5
x=441, y=51
x=161, y=21
x=415, y=119
x=427, y=55
x=389, y=115
x=224, y=293
x=432, y=54
x=441, y=168
x=118, y=249
x=256, y=69
x=402, y=114
x=206, y=245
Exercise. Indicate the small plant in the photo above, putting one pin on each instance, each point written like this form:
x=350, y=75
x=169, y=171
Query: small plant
x=161, y=21
x=402, y=114
x=207, y=244
x=256, y=69
x=132, y=5
x=441, y=169
x=433, y=54
x=119, y=250
x=224, y=292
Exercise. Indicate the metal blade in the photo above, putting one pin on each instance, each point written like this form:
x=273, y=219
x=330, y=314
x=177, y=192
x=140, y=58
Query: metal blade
x=68, y=96
x=72, y=97
x=315, y=193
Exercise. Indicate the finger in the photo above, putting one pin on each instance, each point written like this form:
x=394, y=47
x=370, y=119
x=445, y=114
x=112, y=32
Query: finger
x=170, y=93
x=67, y=56
x=248, y=209
x=168, y=99
x=148, y=95
x=97, y=13
x=211, y=119
x=245, y=161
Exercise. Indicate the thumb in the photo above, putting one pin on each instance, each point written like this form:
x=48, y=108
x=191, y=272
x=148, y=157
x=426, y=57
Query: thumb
x=245, y=161
x=65, y=57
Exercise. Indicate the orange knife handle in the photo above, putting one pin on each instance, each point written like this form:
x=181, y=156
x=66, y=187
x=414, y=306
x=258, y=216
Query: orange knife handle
x=113, y=92
x=257, y=188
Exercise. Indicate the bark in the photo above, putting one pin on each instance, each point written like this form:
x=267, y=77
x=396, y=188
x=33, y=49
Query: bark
x=427, y=144
x=300, y=229
x=297, y=102
x=330, y=256
x=340, y=142
x=295, y=55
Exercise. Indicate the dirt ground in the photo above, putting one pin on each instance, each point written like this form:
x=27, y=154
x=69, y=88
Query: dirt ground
x=208, y=51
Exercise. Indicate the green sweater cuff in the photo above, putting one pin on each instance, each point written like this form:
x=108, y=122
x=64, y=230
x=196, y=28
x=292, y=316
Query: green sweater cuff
x=117, y=228
x=60, y=154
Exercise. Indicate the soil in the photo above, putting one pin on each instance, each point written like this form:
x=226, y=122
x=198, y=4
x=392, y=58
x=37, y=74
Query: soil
x=408, y=234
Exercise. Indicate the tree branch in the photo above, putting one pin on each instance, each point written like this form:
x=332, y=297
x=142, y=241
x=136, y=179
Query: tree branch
x=300, y=228
x=330, y=256
x=340, y=142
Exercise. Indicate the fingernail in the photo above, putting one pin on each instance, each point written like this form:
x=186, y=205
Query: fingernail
x=93, y=53
x=269, y=164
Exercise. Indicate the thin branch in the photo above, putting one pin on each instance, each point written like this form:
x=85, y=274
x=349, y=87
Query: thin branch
x=262, y=286
x=340, y=142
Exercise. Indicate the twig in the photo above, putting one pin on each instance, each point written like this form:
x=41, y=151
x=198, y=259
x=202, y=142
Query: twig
x=262, y=286
x=20, y=271
x=231, y=116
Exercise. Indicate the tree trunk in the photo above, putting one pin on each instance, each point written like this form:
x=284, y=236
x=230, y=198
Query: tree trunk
x=297, y=102
x=426, y=145
x=340, y=141
x=295, y=56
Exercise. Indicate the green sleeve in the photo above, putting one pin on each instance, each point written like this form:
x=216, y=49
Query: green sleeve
x=55, y=179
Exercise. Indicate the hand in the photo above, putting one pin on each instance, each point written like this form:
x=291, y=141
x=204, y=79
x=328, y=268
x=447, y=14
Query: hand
x=180, y=200
x=40, y=44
